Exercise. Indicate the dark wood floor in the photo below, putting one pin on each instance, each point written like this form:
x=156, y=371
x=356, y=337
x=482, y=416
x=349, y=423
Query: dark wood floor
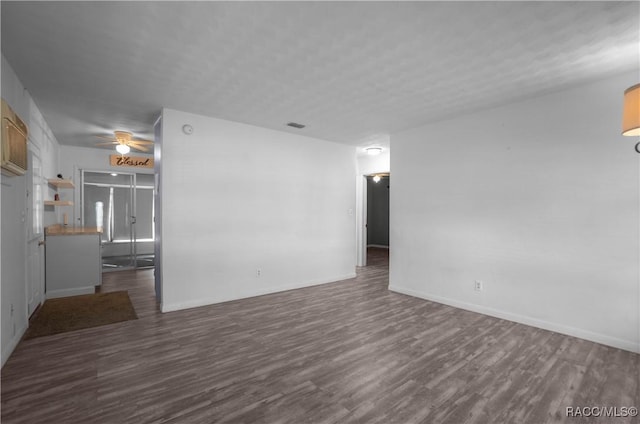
x=346, y=352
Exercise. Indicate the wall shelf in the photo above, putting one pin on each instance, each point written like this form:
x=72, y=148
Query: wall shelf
x=58, y=203
x=60, y=183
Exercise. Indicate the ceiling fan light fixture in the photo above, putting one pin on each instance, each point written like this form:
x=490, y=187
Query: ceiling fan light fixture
x=123, y=149
x=125, y=143
x=372, y=151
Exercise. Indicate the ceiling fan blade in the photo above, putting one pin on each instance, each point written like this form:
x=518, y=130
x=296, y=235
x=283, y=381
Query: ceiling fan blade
x=142, y=141
x=106, y=137
x=107, y=143
x=134, y=145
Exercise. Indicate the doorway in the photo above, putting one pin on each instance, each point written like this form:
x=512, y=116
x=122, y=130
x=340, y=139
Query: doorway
x=121, y=206
x=377, y=218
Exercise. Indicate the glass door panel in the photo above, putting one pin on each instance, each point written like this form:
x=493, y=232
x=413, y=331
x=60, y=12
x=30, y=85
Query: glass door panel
x=108, y=202
x=145, y=231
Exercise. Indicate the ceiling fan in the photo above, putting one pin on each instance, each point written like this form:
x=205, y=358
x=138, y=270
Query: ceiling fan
x=124, y=142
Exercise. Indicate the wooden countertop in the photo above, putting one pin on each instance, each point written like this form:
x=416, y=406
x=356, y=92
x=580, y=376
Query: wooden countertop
x=66, y=230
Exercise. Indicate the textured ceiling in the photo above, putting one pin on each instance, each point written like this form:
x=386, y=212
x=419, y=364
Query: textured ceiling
x=353, y=72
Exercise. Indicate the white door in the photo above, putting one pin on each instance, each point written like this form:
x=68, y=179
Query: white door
x=35, y=233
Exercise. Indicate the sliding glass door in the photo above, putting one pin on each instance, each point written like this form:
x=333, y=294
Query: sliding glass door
x=144, y=229
x=109, y=203
x=122, y=206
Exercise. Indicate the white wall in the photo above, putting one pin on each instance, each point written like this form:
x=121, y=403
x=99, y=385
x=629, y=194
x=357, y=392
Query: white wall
x=237, y=198
x=368, y=164
x=13, y=258
x=14, y=233
x=538, y=200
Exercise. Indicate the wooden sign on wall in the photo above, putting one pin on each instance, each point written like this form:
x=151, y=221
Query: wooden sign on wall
x=131, y=161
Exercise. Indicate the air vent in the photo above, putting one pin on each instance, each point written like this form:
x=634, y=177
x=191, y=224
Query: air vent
x=296, y=125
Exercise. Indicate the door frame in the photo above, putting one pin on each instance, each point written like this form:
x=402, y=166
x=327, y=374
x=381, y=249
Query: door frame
x=35, y=256
x=157, y=210
x=361, y=220
x=132, y=250
x=361, y=216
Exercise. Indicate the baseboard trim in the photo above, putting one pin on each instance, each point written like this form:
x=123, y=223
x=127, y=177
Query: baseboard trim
x=70, y=292
x=8, y=350
x=171, y=307
x=522, y=319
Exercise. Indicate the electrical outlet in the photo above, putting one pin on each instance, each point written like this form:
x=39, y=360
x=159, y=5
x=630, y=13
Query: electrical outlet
x=258, y=272
x=478, y=285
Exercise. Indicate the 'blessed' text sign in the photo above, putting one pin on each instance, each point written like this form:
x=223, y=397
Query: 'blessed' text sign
x=131, y=161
